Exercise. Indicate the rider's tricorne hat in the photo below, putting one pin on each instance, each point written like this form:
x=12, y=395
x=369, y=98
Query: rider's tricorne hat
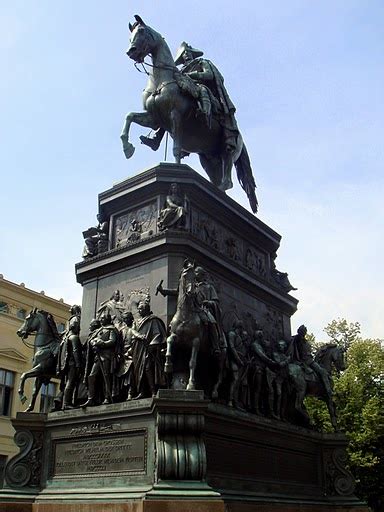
x=185, y=46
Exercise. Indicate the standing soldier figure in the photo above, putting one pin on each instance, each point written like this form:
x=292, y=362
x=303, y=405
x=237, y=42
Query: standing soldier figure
x=237, y=352
x=100, y=365
x=69, y=361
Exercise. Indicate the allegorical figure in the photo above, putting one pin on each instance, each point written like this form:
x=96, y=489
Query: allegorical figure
x=101, y=360
x=173, y=213
x=209, y=91
x=281, y=278
x=69, y=361
x=96, y=238
x=147, y=355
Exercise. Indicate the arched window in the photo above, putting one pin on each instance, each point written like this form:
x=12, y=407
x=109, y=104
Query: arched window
x=4, y=308
x=6, y=390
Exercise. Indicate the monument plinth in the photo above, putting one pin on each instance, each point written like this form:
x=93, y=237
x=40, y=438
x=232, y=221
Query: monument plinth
x=235, y=247
x=180, y=450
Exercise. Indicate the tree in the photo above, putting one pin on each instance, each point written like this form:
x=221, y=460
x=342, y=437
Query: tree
x=360, y=402
x=359, y=398
x=342, y=332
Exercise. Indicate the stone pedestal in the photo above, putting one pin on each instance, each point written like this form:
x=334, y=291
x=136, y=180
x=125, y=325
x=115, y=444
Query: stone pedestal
x=178, y=452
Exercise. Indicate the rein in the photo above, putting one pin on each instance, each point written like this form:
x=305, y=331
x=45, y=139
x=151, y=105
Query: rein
x=143, y=64
x=33, y=346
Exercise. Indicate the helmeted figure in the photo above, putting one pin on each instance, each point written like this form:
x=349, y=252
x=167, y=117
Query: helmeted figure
x=69, y=361
x=147, y=355
x=209, y=91
x=300, y=351
x=101, y=361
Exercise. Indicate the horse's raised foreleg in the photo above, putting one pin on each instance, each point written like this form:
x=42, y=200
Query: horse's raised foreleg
x=192, y=363
x=141, y=118
x=168, y=367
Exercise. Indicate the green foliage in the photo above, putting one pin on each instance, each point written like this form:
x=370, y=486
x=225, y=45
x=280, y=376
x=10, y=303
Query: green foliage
x=342, y=332
x=360, y=402
x=359, y=398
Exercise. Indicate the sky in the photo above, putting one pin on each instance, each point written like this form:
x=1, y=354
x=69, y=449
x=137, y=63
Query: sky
x=307, y=79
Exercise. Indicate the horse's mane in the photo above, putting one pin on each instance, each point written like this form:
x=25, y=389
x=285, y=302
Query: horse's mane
x=322, y=351
x=51, y=323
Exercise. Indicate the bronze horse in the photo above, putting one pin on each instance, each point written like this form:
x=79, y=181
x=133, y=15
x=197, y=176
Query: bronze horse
x=46, y=345
x=186, y=326
x=309, y=383
x=167, y=106
x=188, y=330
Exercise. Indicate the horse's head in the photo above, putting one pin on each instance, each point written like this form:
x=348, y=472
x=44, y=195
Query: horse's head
x=30, y=324
x=331, y=355
x=143, y=40
x=339, y=358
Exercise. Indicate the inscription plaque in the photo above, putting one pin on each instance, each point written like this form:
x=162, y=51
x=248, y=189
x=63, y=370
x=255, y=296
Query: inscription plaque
x=108, y=454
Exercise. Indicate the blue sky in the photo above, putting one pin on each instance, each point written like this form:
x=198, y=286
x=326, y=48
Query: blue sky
x=307, y=79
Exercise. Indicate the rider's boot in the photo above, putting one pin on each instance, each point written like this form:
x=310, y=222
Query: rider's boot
x=205, y=109
x=155, y=141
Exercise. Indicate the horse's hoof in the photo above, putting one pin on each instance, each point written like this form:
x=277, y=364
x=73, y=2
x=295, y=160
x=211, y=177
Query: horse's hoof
x=168, y=367
x=129, y=149
x=215, y=395
x=29, y=409
x=191, y=386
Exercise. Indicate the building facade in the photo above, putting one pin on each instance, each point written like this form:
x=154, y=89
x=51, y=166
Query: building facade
x=16, y=301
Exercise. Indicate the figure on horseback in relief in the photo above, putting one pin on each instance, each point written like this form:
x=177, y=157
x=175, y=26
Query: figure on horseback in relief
x=192, y=105
x=197, y=321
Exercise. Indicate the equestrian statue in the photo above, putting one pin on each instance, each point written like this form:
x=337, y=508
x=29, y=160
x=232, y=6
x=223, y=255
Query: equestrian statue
x=193, y=106
x=46, y=348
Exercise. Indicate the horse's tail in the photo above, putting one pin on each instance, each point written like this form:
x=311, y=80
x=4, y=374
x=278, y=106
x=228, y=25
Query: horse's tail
x=246, y=179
